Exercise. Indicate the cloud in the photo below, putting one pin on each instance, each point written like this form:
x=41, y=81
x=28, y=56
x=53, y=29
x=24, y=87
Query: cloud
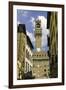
x=45, y=32
x=24, y=13
x=32, y=20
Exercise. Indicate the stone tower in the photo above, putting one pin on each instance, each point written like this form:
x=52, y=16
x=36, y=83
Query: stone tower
x=40, y=57
x=38, y=34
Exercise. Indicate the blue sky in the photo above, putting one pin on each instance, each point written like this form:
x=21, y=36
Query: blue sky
x=28, y=18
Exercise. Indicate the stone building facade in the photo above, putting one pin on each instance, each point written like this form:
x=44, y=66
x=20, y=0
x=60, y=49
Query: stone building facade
x=28, y=59
x=24, y=53
x=53, y=43
x=21, y=42
x=40, y=64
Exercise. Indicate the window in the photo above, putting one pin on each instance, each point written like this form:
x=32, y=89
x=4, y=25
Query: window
x=44, y=65
x=26, y=67
x=27, y=54
x=45, y=54
x=37, y=55
x=30, y=68
x=45, y=75
x=44, y=70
